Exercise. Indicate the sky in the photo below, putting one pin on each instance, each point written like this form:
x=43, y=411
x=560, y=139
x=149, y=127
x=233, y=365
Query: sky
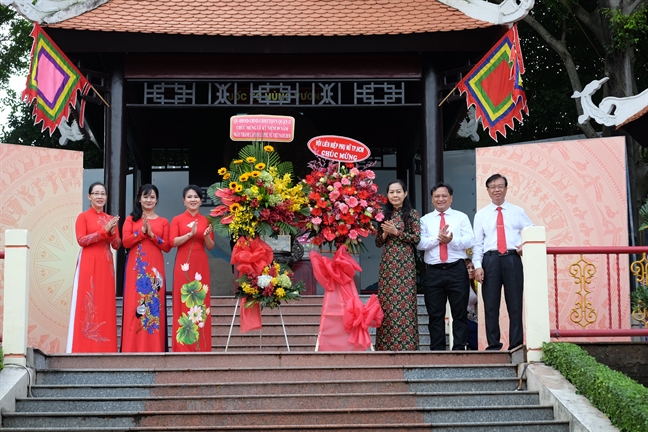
x=18, y=84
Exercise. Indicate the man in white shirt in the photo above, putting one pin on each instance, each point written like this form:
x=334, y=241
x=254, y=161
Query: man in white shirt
x=445, y=236
x=497, y=261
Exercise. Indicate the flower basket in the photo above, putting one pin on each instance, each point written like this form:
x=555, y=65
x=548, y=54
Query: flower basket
x=262, y=282
x=257, y=196
x=269, y=287
x=345, y=206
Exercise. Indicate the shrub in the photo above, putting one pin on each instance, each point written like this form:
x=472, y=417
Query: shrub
x=619, y=397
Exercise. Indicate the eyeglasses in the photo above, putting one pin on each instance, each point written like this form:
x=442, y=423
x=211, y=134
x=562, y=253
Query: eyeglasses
x=499, y=186
x=98, y=193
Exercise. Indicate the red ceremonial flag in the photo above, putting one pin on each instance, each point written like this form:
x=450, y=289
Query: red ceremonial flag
x=53, y=81
x=494, y=86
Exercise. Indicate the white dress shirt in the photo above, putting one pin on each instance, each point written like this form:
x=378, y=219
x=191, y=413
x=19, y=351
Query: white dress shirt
x=462, y=236
x=486, y=229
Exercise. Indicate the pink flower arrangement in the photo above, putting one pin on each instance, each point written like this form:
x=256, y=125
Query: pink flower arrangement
x=345, y=205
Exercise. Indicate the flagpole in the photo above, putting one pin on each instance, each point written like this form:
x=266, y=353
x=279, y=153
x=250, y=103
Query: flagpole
x=99, y=96
x=449, y=94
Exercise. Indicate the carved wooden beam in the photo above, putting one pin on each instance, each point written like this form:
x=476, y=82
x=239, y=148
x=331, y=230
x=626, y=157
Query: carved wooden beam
x=612, y=111
x=507, y=12
x=52, y=11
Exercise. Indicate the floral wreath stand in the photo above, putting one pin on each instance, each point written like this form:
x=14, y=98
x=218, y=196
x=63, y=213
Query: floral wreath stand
x=345, y=320
x=260, y=335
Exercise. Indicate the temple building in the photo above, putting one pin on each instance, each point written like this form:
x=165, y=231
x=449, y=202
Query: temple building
x=175, y=71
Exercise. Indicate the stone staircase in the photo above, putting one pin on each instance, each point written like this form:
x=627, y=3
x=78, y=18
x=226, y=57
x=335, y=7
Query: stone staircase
x=301, y=320
x=256, y=387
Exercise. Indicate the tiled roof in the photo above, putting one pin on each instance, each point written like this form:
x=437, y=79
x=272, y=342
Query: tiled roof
x=274, y=17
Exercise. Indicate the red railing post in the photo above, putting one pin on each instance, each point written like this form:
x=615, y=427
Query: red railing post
x=598, y=250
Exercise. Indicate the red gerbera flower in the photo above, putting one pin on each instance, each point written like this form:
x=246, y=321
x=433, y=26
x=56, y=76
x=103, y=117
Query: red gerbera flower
x=349, y=190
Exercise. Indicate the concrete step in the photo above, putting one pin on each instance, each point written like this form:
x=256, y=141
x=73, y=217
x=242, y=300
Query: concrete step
x=275, y=402
x=231, y=300
x=256, y=391
x=260, y=337
x=242, y=374
x=538, y=426
x=483, y=385
x=300, y=319
x=268, y=329
x=286, y=360
x=294, y=307
x=293, y=417
x=512, y=426
x=246, y=348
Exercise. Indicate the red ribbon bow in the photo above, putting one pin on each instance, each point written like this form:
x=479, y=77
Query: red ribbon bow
x=251, y=256
x=336, y=276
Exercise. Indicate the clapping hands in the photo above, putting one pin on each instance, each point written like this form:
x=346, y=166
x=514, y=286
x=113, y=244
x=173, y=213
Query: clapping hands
x=146, y=227
x=110, y=226
x=445, y=235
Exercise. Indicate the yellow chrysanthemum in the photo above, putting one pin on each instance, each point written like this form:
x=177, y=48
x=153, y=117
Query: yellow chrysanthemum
x=255, y=174
x=260, y=166
x=244, y=177
x=238, y=188
x=250, y=159
x=280, y=292
x=268, y=148
x=227, y=176
x=238, y=161
x=247, y=289
x=222, y=171
x=233, y=185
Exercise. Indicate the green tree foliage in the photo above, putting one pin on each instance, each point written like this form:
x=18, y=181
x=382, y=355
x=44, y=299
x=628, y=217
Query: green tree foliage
x=546, y=82
x=566, y=44
x=15, y=45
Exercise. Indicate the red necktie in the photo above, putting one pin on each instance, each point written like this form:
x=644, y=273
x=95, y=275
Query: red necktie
x=501, y=234
x=443, y=247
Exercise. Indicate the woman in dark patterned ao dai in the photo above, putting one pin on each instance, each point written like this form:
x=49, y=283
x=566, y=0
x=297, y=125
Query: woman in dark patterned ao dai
x=399, y=234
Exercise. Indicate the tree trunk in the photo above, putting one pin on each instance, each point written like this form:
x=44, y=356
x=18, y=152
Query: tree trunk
x=619, y=67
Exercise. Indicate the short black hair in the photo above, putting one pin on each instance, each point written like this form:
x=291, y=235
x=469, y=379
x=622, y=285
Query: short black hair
x=95, y=184
x=194, y=188
x=440, y=185
x=495, y=177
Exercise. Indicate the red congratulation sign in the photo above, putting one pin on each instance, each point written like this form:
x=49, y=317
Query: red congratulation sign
x=338, y=148
x=262, y=128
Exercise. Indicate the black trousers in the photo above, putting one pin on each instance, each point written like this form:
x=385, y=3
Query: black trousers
x=503, y=270
x=447, y=282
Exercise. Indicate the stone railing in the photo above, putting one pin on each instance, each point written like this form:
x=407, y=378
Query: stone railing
x=536, y=290
x=16, y=297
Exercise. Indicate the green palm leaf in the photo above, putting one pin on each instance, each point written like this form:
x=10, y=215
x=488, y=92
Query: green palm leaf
x=643, y=212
